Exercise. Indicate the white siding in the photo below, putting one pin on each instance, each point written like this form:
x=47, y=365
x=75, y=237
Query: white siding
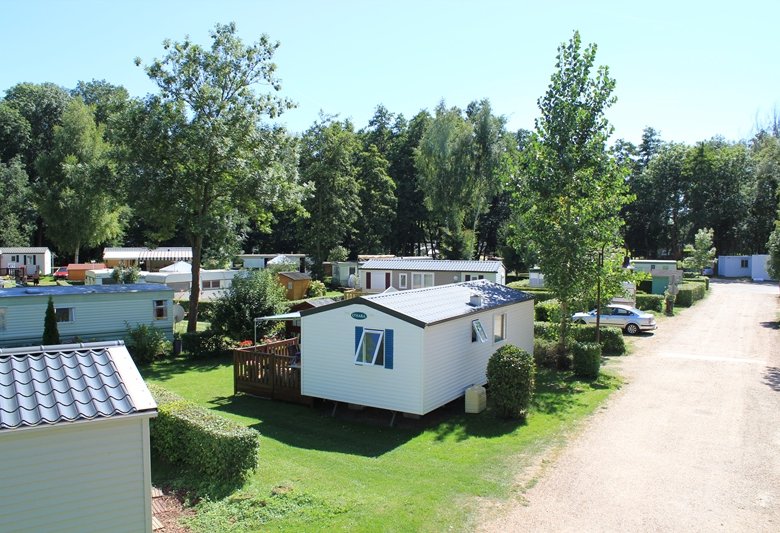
x=730, y=266
x=97, y=316
x=452, y=363
x=758, y=268
x=328, y=361
x=76, y=477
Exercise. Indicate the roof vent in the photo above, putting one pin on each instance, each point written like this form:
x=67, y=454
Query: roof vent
x=475, y=300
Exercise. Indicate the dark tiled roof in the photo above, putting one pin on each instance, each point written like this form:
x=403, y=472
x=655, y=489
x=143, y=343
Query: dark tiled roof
x=295, y=275
x=67, y=383
x=432, y=265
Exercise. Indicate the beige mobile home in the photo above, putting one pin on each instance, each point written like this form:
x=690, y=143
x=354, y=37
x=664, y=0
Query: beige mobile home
x=377, y=275
x=410, y=351
x=74, y=433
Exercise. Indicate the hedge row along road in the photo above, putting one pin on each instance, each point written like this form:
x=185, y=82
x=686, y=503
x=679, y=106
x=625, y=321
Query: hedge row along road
x=690, y=443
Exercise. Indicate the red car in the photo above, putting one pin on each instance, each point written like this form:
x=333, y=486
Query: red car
x=61, y=273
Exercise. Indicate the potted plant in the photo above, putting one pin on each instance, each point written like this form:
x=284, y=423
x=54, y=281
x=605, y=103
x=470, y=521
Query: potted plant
x=176, y=344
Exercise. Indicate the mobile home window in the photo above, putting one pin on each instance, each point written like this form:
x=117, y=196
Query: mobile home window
x=374, y=347
x=477, y=331
x=422, y=279
x=211, y=284
x=402, y=281
x=2, y=318
x=499, y=327
x=371, y=349
x=65, y=314
x=160, y=309
x=743, y=263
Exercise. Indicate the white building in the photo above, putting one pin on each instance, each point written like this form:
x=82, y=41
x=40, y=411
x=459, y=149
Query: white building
x=376, y=275
x=744, y=266
x=74, y=435
x=31, y=258
x=411, y=351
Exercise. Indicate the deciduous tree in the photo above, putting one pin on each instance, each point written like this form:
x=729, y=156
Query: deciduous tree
x=575, y=190
x=202, y=159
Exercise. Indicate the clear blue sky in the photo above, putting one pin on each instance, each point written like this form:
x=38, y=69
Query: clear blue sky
x=691, y=69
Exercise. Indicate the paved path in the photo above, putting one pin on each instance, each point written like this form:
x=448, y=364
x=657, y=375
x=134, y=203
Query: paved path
x=691, y=443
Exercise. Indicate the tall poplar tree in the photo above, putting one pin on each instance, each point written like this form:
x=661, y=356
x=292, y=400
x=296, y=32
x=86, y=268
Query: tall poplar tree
x=574, y=189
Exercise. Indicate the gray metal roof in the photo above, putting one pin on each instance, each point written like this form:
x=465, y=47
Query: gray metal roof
x=24, y=250
x=295, y=275
x=432, y=305
x=432, y=265
x=163, y=253
x=49, y=385
x=61, y=290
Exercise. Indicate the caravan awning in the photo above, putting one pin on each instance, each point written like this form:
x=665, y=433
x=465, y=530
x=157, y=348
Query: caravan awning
x=283, y=316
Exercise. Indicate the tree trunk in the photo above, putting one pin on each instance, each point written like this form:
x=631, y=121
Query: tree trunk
x=197, y=252
x=76, y=255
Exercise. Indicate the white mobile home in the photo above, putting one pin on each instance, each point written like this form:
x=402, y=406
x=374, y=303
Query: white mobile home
x=377, y=275
x=88, y=312
x=150, y=259
x=74, y=430
x=31, y=258
x=410, y=351
x=743, y=266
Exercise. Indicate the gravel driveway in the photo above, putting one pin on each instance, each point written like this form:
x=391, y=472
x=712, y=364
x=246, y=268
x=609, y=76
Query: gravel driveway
x=690, y=443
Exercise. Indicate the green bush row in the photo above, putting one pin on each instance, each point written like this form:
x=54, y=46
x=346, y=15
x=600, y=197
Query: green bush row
x=547, y=311
x=650, y=302
x=689, y=294
x=205, y=344
x=185, y=434
x=612, y=340
x=698, y=279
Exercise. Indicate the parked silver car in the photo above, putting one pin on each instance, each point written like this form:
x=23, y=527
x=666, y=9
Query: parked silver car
x=628, y=318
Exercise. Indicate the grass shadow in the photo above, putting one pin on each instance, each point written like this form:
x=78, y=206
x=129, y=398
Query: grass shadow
x=166, y=369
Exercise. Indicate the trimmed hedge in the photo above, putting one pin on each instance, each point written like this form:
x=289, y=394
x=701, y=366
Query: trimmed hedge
x=548, y=311
x=699, y=279
x=545, y=352
x=203, y=442
x=650, y=302
x=689, y=294
x=612, y=340
x=205, y=344
x=540, y=294
x=510, y=374
x=587, y=359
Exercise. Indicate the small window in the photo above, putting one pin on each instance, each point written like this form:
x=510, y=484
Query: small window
x=743, y=263
x=467, y=277
x=211, y=284
x=351, y=270
x=371, y=349
x=499, y=327
x=477, y=331
x=160, y=309
x=65, y=314
x=2, y=318
x=402, y=280
x=290, y=285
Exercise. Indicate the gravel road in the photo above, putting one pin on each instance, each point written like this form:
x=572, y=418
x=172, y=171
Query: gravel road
x=690, y=443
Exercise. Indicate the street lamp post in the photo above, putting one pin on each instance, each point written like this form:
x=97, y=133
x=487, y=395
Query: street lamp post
x=598, y=294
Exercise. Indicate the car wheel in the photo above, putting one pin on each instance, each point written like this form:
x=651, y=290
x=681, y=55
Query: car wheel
x=632, y=329
x=580, y=321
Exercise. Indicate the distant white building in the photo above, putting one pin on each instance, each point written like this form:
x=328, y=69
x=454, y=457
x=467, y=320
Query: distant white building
x=31, y=258
x=744, y=266
x=376, y=275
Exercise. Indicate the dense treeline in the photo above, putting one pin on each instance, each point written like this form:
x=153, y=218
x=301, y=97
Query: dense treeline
x=89, y=167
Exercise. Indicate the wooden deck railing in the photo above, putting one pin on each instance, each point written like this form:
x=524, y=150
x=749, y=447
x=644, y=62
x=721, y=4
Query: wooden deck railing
x=271, y=370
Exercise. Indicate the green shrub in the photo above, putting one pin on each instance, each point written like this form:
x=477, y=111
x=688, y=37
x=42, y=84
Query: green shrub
x=699, y=279
x=201, y=441
x=510, y=373
x=207, y=343
x=548, y=311
x=546, y=330
x=146, y=343
x=545, y=352
x=650, y=302
x=316, y=289
x=689, y=294
x=587, y=359
x=612, y=341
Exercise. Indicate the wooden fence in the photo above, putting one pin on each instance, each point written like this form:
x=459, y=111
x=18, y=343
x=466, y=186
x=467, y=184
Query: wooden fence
x=270, y=370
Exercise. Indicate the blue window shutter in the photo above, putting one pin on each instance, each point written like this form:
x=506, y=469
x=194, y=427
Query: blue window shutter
x=358, y=333
x=389, y=348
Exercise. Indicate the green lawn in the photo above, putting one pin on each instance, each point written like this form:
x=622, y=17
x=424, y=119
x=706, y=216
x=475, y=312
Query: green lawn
x=355, y=473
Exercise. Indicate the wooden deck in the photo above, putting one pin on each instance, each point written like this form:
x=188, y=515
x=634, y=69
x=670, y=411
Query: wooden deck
x=270, y=370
